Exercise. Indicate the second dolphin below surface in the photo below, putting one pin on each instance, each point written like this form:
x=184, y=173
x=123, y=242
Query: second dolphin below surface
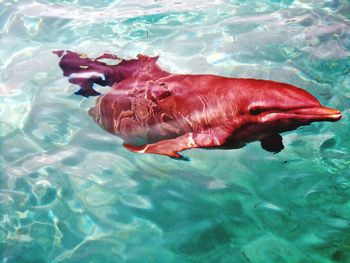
x=157, y=112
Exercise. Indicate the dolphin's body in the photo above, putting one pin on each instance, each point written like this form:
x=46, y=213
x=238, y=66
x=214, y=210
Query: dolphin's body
x=157, y=112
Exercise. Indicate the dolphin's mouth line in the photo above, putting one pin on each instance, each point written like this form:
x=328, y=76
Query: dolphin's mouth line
x=319, y=113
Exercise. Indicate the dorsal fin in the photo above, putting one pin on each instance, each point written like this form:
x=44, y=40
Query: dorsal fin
x=147, y=58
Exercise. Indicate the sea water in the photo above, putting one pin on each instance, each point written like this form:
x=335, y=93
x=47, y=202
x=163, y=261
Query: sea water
x=70, y=192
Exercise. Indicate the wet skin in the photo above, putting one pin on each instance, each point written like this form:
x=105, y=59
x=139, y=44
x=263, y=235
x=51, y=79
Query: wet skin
x=157, y=112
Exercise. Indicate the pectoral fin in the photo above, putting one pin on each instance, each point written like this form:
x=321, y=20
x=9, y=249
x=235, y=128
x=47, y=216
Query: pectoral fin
x=272, y=143
x=171, y=147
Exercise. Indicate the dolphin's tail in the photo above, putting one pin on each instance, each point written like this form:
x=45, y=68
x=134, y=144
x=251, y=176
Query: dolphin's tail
x=85, y=71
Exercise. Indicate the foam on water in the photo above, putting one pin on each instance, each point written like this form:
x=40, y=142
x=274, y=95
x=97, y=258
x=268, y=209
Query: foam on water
x=70, y=192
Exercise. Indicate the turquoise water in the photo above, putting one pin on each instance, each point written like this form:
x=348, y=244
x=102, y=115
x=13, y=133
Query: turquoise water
x=71, y=193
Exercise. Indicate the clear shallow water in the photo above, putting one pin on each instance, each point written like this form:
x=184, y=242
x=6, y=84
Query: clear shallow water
x=70, y=192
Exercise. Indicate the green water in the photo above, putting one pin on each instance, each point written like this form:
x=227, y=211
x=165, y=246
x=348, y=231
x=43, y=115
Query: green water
x=70, y=192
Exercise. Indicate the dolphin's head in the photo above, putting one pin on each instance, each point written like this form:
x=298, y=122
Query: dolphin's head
x=274, y=107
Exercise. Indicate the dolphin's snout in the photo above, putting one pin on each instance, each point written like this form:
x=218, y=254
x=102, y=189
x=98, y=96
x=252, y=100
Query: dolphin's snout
x=320, y=113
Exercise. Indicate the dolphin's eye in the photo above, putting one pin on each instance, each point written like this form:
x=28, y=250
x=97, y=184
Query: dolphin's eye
x=256, y=110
